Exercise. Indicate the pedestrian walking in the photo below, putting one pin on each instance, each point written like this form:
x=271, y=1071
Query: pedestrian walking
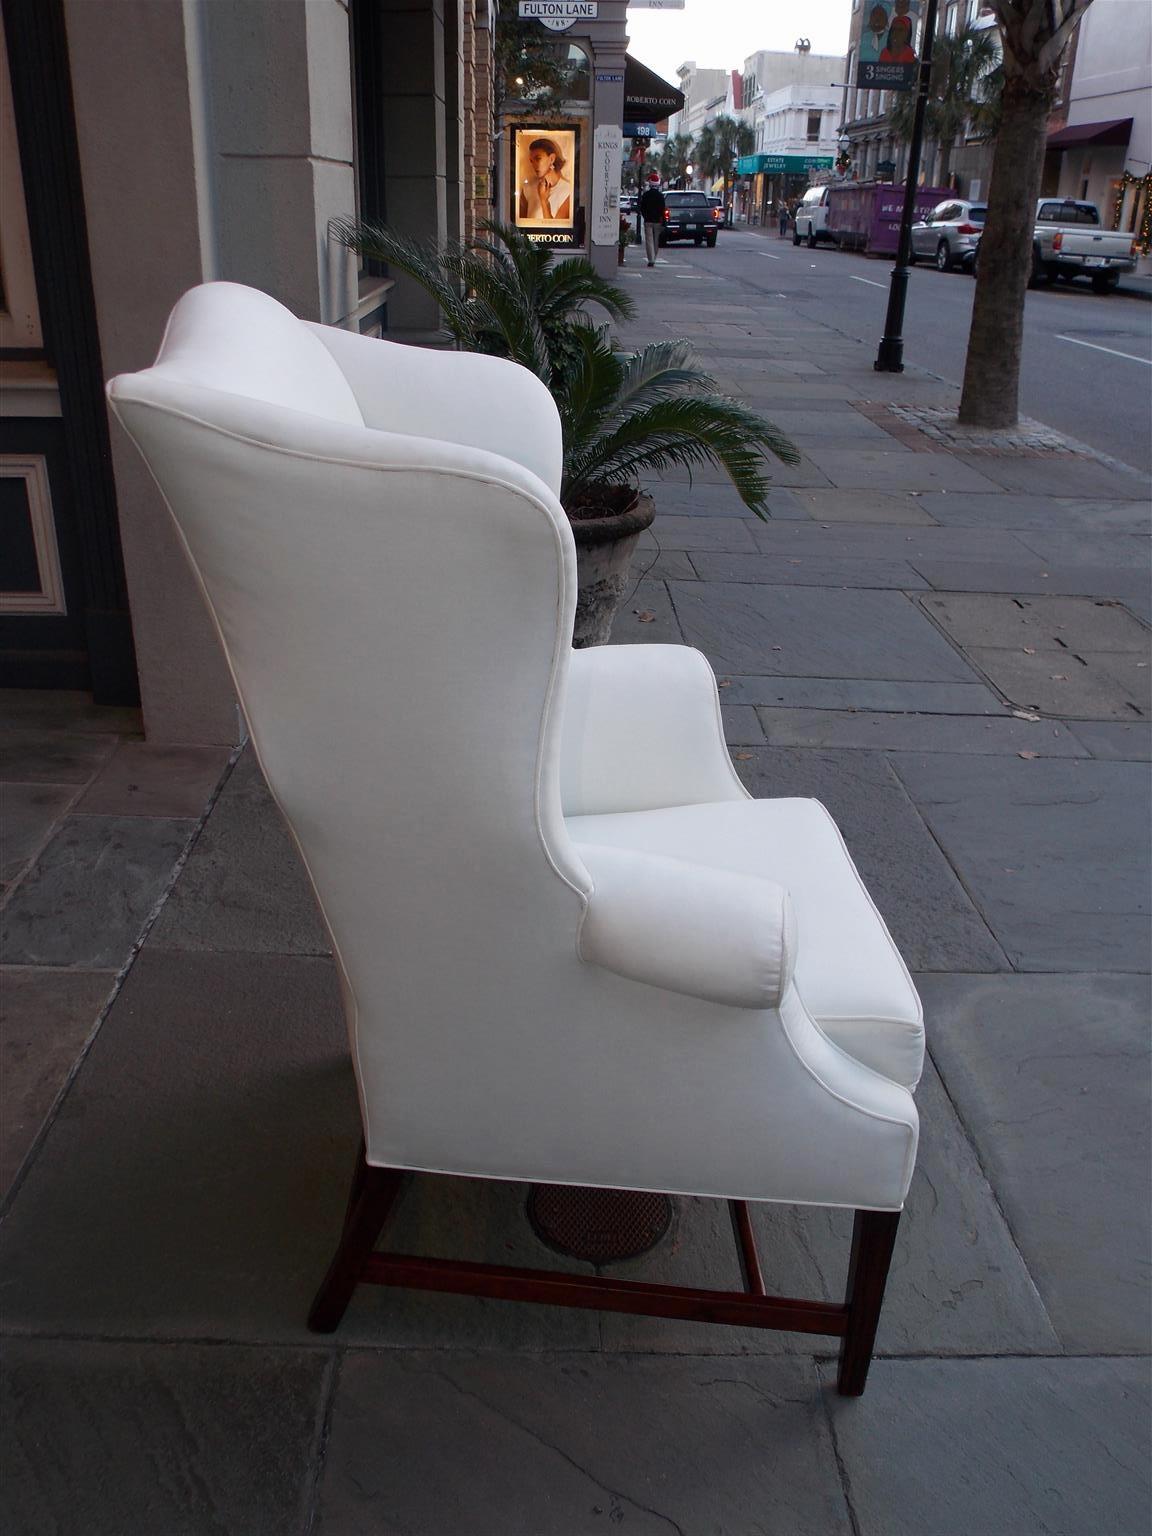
x=783, y=219
x=652, y=212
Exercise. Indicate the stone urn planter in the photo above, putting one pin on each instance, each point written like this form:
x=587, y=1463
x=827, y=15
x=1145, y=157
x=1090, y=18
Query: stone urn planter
x=606, y=530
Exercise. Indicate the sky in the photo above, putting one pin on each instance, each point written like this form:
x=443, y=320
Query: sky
x=720, y=34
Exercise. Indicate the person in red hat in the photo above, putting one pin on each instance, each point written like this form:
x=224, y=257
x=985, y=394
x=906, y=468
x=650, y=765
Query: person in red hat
x=652, y=212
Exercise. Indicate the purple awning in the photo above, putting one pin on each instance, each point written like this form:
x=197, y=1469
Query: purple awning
x=1117, y=131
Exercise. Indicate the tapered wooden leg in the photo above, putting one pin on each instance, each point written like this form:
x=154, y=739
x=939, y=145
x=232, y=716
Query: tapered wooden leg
x=372, y=1197
x=873, y=1239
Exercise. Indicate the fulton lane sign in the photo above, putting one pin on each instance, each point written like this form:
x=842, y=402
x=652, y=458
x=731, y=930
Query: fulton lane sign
x=558, y=15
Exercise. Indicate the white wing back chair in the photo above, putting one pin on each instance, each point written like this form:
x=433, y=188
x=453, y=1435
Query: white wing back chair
x=571, y=947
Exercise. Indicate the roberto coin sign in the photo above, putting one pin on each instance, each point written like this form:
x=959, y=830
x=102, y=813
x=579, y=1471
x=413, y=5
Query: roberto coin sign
x=888, y=59
x=544, y=183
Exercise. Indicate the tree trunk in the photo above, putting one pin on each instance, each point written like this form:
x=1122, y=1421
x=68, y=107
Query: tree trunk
x=992, y=369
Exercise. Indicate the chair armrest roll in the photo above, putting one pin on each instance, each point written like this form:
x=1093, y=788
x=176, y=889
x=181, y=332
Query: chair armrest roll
x=709, y=933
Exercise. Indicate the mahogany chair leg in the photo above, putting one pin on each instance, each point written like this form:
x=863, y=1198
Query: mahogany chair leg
x=370, y=1202
x=873, y=1239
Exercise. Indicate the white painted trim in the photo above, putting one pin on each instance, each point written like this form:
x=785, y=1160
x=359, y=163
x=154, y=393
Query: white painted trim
x=32, y=469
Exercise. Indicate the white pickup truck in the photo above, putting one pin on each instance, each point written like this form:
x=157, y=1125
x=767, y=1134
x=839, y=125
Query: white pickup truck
x=1070, y=241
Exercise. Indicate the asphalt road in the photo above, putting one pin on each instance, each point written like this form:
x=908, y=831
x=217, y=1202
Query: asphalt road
x=1087, y=357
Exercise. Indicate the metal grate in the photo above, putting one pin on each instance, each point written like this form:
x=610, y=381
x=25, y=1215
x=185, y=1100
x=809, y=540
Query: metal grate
x=601, y=1226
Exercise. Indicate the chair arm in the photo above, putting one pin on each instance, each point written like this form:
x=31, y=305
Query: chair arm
x=723, y=937
x=642, y=730
x=460, y=397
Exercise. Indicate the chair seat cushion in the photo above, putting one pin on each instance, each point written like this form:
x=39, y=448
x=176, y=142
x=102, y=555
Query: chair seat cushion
x=849, y=974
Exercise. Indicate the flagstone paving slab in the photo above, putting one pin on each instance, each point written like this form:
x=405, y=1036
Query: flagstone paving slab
x=33, y=755
x=28, y=813
x=648, y=617
x=1114, y=740
x=883, y=469
x=930, y=914
x=992, y=1447
x=244, y=887
x=1053, y=853
x=45, y=1018
x=1043, y=623
x=814, y=631
x=1060, y=477
x=1129, y=586
x=741, y=725
x=91, y=891
x=1051, y=1076
x=194, y=1180
x=917, y=733
x=1097, y=547
x=551, y=1446
x=681, y=531
x=958, y=1284
x=808, y=570
x=850, y=694
x=1101, y=685
x=140, y=779
x=161, y=1440
x=863, y=507
x=888, y=543
x=1043, y=512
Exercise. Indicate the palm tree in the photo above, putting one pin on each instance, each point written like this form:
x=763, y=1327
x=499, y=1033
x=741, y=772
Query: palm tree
x=626, y=413
x=621, y=413
x=720, y=143
x=500, y=293
x=677, y=154
x=964, y=72
x=1033, y=36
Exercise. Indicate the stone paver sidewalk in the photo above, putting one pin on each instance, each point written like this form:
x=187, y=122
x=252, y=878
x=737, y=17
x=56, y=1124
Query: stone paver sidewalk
x=949, y=649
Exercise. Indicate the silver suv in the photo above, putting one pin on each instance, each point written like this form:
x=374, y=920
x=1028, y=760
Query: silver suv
x=950, y=234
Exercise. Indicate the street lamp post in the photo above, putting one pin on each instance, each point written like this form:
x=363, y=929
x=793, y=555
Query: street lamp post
x=890, y=357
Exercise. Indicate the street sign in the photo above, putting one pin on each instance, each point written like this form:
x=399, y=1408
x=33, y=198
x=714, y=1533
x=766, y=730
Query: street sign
x=558, y=15
x=642, y=131
x=607, y=143
x=655, y=5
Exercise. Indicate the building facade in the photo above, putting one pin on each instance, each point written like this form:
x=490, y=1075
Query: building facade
x=150, y=147
x=792, y=104
x=1101, y=148
x=875, y=150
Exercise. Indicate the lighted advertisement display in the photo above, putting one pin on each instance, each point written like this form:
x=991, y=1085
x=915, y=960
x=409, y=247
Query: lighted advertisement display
x=545, y=182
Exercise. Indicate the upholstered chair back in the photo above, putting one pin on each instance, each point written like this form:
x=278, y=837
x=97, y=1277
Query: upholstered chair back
x=396, y=610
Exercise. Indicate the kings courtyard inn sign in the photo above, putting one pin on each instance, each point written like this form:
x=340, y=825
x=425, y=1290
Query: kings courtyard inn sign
x=558, y=15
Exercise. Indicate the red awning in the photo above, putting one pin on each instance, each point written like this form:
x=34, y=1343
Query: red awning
x=1117, y=131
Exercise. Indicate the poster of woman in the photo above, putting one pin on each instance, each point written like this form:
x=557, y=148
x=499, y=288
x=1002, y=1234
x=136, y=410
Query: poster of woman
x=545, y=182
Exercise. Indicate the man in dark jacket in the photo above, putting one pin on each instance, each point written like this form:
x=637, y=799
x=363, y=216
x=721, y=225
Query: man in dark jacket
x=652, y=212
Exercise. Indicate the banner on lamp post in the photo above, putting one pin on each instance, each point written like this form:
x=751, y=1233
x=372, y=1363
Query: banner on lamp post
x=888, y=58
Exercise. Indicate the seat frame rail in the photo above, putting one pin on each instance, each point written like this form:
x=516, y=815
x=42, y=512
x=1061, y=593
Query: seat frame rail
x=854, y=1321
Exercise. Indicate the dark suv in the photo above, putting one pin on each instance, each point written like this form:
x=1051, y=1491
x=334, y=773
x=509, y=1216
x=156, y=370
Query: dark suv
x=688, y=216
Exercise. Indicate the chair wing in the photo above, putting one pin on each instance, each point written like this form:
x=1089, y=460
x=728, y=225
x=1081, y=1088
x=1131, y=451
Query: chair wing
x=456, y=397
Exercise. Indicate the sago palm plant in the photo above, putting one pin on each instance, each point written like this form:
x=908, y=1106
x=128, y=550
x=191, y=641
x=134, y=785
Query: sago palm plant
x=622, y=414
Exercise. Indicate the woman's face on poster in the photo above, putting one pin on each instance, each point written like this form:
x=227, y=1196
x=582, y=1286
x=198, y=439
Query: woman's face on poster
x=541, y=162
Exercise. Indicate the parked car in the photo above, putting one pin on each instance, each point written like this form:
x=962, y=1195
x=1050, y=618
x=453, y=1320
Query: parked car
x=1070, y=241
x=688, y=216
x=811, y=218
x=628, y=201
x=950, y=234
x=718, y=215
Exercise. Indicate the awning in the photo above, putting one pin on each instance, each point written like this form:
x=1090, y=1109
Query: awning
x=647, y=98
x=1117, y=130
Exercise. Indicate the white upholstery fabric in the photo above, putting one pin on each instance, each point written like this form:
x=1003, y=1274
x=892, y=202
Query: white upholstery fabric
x=848, y=971
x=693, y=928
x=642, y=729
x=396, y=607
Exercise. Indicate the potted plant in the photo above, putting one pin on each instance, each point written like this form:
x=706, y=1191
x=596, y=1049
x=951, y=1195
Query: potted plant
x=623, y=414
